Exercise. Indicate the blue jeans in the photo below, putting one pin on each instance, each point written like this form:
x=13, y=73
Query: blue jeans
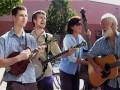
x=45, y=83
x=106, y=87
x=68, y=81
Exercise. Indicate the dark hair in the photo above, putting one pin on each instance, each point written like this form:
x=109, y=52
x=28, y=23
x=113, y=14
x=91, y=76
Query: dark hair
x=16, y=9
x=36, y=13
x=71, y=22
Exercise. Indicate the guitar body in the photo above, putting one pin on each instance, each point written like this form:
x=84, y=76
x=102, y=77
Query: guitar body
x=19, y=67
x=96, y=79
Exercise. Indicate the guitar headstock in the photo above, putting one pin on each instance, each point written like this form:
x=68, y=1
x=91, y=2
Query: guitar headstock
x=83, y=14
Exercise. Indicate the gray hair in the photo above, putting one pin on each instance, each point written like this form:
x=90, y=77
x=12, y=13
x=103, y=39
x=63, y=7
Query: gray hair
x=110, y=17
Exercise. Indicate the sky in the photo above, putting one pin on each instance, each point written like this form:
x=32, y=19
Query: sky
x=114, y=2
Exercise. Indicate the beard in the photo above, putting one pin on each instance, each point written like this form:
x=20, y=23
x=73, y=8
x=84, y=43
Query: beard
x=107, y=33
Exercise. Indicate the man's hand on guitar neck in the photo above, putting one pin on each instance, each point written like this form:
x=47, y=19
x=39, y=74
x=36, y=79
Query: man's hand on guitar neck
x=37, y=52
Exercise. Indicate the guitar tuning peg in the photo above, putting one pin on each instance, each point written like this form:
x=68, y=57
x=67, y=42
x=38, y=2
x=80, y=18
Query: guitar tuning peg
x=82, y=10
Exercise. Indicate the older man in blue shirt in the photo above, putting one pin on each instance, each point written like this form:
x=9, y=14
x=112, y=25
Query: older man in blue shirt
x=108, y=44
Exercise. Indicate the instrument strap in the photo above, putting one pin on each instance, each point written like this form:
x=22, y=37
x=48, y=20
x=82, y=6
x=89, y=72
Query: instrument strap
x=45, y=66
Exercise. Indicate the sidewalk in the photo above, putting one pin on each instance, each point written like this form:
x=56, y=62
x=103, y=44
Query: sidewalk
x=3, y=84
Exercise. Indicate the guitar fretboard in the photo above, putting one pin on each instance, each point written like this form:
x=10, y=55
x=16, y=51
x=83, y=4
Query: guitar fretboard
x=58, y=55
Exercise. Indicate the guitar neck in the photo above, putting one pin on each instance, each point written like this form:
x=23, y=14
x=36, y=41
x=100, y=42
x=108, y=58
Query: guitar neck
x=85, y=27
x=64, y=52
x=53, y=58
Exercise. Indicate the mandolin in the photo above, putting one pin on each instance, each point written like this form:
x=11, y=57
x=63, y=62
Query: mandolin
x=20, y=67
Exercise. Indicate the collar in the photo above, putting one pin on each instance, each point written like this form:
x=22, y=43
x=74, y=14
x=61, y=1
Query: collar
x=42, y=34
x=12, y=33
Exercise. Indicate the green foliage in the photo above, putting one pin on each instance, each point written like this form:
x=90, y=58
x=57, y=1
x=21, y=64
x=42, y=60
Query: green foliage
x=57, y=16
x=7, y=5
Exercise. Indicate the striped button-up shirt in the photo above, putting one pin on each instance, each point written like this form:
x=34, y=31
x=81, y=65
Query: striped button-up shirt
x=10, y=43
x=103, y=47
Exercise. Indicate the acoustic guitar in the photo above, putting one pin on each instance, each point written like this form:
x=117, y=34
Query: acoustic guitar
x=109, y=66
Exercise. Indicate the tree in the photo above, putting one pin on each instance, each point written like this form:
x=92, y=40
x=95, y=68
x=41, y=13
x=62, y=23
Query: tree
x=7, y=5
x=57, y=16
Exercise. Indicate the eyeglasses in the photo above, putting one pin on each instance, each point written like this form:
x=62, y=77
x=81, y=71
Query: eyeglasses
x=78, y=24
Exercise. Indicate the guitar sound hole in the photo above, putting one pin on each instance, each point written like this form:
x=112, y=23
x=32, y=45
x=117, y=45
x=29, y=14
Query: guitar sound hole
x=105, y=74
x=106, y=71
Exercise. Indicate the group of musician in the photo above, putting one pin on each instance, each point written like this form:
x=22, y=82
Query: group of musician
x=39, y=77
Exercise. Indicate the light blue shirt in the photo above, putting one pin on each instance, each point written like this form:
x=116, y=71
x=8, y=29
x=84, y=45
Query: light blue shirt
x=68, y=64
x=10, y=43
